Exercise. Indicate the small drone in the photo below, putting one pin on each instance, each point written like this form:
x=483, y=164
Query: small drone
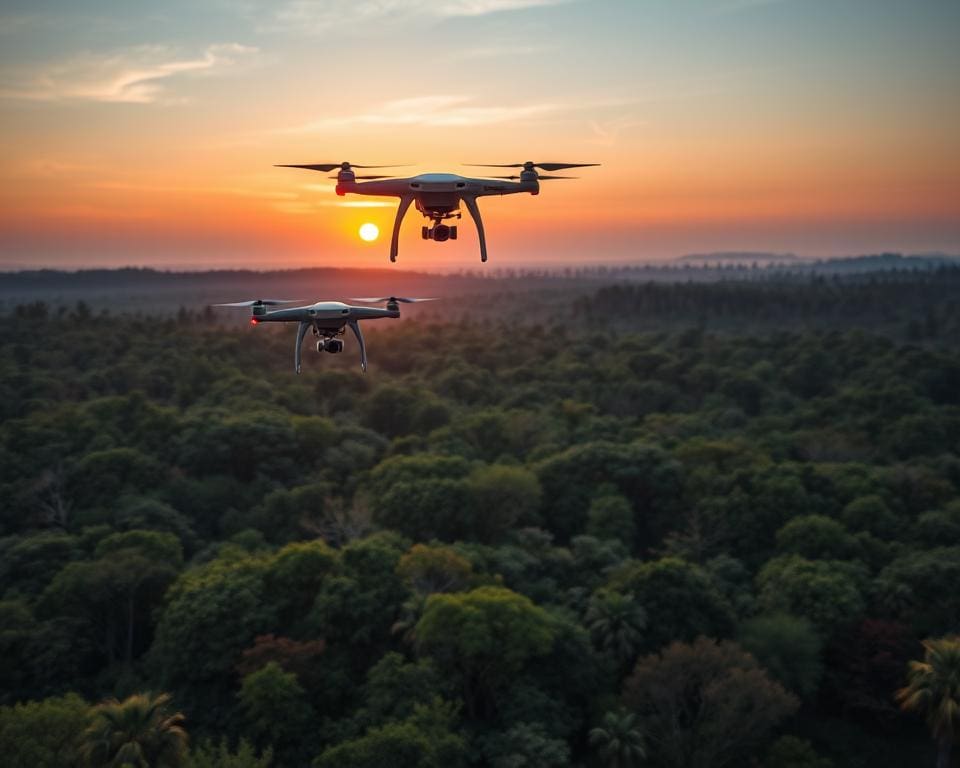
x=438, y=195
x=327, y=319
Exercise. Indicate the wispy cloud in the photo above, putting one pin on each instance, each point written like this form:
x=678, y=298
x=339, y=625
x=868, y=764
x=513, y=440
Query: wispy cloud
x=607, y=133
x=138, y=75
x=318, y=16
x=438, y=110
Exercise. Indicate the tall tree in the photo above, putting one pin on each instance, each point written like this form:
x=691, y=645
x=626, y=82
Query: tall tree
x=616, y=623
x=933, y=687
x=139, y=731
x=619, y=741
x=484, y=637
x=705, y=703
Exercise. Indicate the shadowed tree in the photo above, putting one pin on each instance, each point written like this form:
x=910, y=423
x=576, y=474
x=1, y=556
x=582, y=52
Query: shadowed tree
x=619, y=741
x=616, y=623
x=705, y=704
x=933, y=687
x=275, y=708
x=138, y=731
x=788, y=647
x=43, y=734
x=208, y=755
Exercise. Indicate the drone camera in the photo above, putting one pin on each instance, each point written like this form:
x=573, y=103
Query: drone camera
x=333, y=346
x=441, y=233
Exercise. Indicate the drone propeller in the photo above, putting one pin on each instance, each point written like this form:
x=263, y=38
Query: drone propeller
x=258, y=303
x=391, y=299
x=363, y=177
x=327, y=167
x=539, y=178
x=530, y=165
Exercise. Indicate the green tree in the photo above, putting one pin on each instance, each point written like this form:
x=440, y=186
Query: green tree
x=788, y=647
x=430, y=568
x=616, y=623
x=611, y=517
x=525, y=745
x=870, y=513
x=912, y=587
x=433, y=508
x=642, y=473
x=681, y=597
x=426, y=739
x=502, y=497
x=793, y=752
x=275, y=707
x=933, y=687
x=395, y=687
x=43, y=734
x=705, y=703
x=206, y=755
x=827, y=592
x=139, y=731
x=483, y=637
x=816, y=537
x=212, y=613
x=116, y=593
x=619, y=741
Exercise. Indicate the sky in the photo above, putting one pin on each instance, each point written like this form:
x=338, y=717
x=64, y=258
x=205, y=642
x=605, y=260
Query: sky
x=145, y=134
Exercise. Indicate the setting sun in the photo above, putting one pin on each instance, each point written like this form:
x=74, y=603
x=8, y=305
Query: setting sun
x=369, y=232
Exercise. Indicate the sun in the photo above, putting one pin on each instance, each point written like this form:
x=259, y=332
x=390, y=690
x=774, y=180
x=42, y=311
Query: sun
x=369, y=232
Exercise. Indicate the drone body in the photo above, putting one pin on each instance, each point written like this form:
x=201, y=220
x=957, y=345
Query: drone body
x=327, y=319
x=438, y=195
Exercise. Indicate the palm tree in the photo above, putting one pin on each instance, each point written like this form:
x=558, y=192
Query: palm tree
x=933, y=686
x=619, y=742
x=137, y=732
x=616, y=624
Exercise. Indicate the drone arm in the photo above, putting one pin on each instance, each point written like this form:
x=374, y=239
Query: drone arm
x=471, y=203
x=355, y=327
x=405, y=201
x=301, y=332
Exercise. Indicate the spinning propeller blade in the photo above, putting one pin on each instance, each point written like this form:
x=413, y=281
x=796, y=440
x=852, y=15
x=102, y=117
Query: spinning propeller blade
x=327, y=167
x=365, y=177
x=399, y=299
x=531, y=165
x=539, y=178
x=258, y=302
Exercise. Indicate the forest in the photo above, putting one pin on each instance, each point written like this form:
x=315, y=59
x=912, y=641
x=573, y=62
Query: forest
x=684, y=525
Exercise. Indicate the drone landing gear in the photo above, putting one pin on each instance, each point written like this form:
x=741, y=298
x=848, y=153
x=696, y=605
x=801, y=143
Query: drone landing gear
x=401, y=212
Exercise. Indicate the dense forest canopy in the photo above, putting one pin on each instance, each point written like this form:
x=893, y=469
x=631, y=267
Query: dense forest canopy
x=524, y=543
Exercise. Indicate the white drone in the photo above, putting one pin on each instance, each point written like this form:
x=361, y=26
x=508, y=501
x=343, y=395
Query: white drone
x=327, y=319
x=438, y=195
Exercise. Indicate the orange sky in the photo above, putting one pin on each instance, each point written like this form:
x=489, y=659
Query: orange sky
x=778, y=125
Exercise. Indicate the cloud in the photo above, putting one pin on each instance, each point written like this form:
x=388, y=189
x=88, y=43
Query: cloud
x=607, y=133
x=318, y=16
x=132, y=75
x=436, y=111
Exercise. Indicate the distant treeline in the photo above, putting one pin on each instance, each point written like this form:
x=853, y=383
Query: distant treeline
x=916, y=304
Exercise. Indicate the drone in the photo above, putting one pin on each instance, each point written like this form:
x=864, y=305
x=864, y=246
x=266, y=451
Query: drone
x=438, y=195
x=327, y=319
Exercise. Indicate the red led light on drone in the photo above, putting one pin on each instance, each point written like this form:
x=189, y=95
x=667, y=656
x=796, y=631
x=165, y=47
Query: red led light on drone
x=253, y=321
